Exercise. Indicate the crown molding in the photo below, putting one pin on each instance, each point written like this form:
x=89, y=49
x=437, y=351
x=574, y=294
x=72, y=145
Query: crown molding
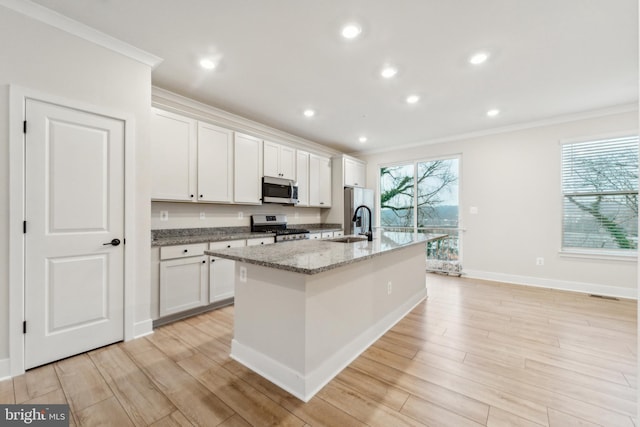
x=624, y=108
x=71, y=26
x=180, y=104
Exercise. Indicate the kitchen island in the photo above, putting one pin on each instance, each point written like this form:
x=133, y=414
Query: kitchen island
x=304, y=310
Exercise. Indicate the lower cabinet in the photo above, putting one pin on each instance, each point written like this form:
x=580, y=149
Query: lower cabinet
x=222, y=272
x=183, y=284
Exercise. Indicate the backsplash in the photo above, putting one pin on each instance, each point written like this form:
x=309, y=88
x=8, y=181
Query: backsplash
x=188, y=215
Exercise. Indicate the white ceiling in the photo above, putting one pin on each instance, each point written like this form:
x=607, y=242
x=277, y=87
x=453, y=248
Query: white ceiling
x=279, y=57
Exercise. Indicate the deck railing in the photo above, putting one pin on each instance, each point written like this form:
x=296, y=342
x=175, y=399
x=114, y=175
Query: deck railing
x=443, y=255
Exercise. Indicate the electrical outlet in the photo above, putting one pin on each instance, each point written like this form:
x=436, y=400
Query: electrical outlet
x=243, y=274
x=539, y=261
x=389, y=288
x=240, y=215
x=202, y=215
x=164, y=215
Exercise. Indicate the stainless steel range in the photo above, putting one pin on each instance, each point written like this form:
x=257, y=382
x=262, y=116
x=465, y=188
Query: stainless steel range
x=277, y=224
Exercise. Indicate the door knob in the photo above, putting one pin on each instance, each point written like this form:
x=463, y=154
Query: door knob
x=114, y=242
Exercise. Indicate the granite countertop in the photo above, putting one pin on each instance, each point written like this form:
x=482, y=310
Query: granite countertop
x=316, y=256
x=183, y=236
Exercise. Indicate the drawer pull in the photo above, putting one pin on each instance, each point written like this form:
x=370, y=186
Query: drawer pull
x=186, y=250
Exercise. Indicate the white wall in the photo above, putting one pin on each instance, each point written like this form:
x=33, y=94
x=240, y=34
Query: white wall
x=514, y=180
x=38, y=57
x=187, y=215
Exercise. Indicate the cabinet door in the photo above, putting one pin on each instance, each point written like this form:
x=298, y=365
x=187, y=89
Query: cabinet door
x=354, y=173
x=287, y=162
x=325, y=182
x=302, y=176
x=247, y=169
x=222, y=279
x=271, y=159
x=215, y=163
x=314, y=180
x=183, y=284
x=173, y=156
x=260, y=241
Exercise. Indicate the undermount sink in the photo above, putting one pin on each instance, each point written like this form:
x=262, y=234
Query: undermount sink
x=349, y=239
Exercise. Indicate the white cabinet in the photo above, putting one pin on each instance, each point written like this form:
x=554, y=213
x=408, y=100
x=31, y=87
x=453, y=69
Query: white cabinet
x=279, y=161
x=354, y=173
x=319, y=181
x=302, y=177
x=183, y=278
x=222, y=272
x=215, y=163
x=191, y=160
x=247, y=177
x=173, y=156
x=260, y=241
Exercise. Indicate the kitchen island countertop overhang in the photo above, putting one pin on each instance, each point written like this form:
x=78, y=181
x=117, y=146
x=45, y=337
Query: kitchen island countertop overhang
x=313, y=256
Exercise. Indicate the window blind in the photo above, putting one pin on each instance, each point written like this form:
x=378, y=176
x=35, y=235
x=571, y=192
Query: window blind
x=600, y=192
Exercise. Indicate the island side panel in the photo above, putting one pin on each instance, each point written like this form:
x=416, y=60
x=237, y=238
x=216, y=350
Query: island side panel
x=269, y=319
x=349, y=308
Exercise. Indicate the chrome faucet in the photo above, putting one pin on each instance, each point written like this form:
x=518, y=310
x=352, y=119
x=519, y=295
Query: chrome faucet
x=369, y=233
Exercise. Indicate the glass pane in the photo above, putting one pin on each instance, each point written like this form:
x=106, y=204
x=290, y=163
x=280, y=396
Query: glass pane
x=396, y=196
x=438, y=193
x=603, y=222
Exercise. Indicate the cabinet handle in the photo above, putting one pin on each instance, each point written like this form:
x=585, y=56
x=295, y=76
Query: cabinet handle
x=191, y=195
x=262, y=243
x=186, y=250
x=213, y=260
x=203, y=261
x=228, y=246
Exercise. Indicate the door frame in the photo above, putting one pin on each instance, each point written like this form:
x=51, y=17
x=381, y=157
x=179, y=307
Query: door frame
x=18, y=97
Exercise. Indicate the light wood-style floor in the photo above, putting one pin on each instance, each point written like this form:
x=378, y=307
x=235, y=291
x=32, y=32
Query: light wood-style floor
x=474, y=354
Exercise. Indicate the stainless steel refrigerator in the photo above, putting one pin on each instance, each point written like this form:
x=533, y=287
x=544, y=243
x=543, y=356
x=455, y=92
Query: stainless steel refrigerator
x=354, y=197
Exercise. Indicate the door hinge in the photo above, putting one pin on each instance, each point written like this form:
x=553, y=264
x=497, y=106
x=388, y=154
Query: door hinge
x=24, y=227
x=24, y=327
x=24, y=126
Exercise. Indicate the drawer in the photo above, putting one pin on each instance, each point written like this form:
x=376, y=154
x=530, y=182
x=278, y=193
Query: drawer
x=338, y=233
x=227, y=244
x=260, y=241
x=315, y=236
x=182, y=251
x=327, y=234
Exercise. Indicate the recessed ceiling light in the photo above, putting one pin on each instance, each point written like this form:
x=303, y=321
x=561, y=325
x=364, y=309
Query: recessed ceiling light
x=412, y=99
x=362, y=139
x=207, y=64
x=351, y=31
x=309, y=113
x=388, y=72
x=478, y=58
x=493, y=112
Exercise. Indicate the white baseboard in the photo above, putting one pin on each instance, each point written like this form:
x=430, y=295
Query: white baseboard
x=563, y=285
x=304, y=387
x=5, y=369
x=141, y=329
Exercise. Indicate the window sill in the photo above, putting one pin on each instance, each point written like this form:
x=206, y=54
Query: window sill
x=600, y=255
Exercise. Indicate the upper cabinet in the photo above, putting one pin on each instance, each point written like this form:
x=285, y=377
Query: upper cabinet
x=279, y=161
x=191, y=160
x=319, y=181
x=173, y=156
x=354, y=172
x=247, y=176
x=215, y=164
x=302, y=177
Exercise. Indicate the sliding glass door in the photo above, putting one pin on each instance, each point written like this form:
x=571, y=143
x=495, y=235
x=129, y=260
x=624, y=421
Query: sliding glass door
x=424, y=197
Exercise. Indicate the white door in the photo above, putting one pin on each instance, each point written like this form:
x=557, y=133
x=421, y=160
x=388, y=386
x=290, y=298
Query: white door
x=74, y=284
x=215, y=163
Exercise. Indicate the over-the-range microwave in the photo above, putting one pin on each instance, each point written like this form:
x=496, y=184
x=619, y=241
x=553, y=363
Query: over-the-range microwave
x=279, y=190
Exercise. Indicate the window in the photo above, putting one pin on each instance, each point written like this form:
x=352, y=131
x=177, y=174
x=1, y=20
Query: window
x=600, y=195
x=423, y=197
